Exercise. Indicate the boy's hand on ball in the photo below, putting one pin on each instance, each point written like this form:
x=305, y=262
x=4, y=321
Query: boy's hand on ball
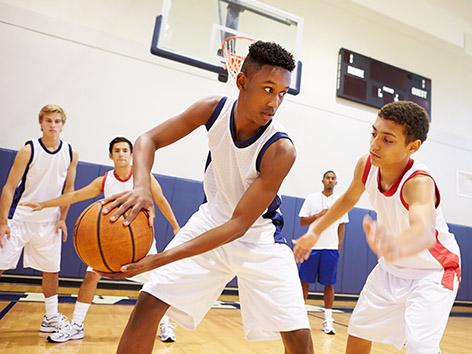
x=132, y=269
x=132, y=202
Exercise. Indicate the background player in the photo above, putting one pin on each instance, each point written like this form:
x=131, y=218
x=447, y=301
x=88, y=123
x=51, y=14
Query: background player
x=238, y=230
x=409, y=294
x=322, y=264
x=42, y=169
x=112, y=182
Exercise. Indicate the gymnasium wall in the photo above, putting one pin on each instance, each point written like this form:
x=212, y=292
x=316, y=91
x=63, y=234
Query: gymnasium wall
x=185, y=196
x=92, y=57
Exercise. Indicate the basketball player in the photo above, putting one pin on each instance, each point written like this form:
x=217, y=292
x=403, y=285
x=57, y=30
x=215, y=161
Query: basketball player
x=112, y=182
x=42, y=169
x=322, y=264
x=408, y=296
x=237, y=231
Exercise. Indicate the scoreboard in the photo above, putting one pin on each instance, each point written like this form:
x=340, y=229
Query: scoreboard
x=371, y=82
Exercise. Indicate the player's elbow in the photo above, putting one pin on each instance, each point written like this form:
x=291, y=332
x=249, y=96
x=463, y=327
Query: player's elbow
x=240, y=232
x=239, y=228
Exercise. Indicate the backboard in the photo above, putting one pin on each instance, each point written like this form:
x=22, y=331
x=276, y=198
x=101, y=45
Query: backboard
x=192, y=31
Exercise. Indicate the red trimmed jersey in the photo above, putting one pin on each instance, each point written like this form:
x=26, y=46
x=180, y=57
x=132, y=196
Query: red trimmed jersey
x=113, y=184
x=442, y=261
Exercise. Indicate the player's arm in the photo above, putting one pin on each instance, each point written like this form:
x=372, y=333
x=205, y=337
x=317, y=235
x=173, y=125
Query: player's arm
x=163, y=205
x=308, y=220
x=419, y=193
x=16, y=173
x=91, y=190
x=145, y=147
x=275, y=165
x=68, y=187
x=341, y=233
x=342, y=205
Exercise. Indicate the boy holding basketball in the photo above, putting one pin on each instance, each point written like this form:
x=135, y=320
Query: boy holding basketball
x=408, y=296
x=42, y=169
x=237, y=231
x=112, y=182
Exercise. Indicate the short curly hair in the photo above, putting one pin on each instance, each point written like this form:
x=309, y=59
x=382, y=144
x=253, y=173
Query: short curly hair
x=412, y=116
x=267, y=53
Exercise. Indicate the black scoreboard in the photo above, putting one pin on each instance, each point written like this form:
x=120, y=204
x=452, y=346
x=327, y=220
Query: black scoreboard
x=371, y=82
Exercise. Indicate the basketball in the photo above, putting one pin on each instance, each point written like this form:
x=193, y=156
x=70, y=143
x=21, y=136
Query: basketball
x=106, y=246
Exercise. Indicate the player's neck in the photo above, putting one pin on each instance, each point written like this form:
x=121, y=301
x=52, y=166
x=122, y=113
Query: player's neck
x=245, y=128
x=51, y=142
x=327, y=192
x=390, y=174
x=123, y=171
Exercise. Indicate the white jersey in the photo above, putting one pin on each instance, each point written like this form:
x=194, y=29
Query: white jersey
x=312, y=205
x=442, y=261
x=232, y=166
x=43, y=179
x=113, y=184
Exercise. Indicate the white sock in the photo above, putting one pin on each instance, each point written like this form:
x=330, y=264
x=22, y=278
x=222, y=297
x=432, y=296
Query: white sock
x=328, y=314
x=51, y=306
x=80, y=311
x=165, y=319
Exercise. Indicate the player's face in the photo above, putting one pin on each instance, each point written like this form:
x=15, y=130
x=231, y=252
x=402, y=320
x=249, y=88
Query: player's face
x=51, y=124
x=329, y=181
x=388, y=143
x=262, y=92
x=121, y=154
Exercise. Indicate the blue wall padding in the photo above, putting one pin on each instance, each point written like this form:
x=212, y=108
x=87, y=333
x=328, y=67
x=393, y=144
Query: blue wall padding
x=185, y=196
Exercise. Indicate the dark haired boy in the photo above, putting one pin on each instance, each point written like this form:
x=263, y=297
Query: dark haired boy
x=237, y=231
x=408, y=296
x=322, y=264
x=112, y=182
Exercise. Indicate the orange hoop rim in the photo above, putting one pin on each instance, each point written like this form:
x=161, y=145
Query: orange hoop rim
x=233, y=60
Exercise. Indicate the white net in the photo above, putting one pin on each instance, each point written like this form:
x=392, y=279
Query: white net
x=235, y=49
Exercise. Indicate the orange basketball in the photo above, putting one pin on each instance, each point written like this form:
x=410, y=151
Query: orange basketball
x=106, y=246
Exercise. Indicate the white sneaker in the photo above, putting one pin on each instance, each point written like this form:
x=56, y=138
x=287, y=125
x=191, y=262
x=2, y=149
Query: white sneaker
x=52, y=324
x=328, y=327
x=166, y=332
x=71, y=330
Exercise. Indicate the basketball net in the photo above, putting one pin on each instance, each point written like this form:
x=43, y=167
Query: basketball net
x=235, y=49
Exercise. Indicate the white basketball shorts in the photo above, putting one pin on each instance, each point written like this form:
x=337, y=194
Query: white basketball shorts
x=41, y=244
x=269, y=288
x=400, y=312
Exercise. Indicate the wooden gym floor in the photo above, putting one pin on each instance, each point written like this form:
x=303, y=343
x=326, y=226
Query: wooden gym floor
x=219, y=333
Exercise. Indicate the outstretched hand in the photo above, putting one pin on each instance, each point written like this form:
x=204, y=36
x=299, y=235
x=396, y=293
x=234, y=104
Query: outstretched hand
x=130, y=270
x=380, y=243
x=133, y=201
x=303, y=246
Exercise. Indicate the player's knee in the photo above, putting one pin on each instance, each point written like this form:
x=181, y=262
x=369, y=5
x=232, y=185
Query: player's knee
x=92, y=276
x=150, y=303
x=298, y=341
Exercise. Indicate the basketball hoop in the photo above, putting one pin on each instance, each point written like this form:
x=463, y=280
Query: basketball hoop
x=235, y=49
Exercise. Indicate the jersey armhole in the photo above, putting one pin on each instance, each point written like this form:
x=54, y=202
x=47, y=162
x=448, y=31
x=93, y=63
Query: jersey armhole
x=70, y=153
x=103, y=181
x=277, y=136
x=367, y=167
x=216, y=112
x=436, y=189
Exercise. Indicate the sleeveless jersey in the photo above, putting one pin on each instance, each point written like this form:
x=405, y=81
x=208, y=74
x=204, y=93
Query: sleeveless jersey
x=113, y=184
x=43, y=179
x=232, y=166
x=442, y=261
